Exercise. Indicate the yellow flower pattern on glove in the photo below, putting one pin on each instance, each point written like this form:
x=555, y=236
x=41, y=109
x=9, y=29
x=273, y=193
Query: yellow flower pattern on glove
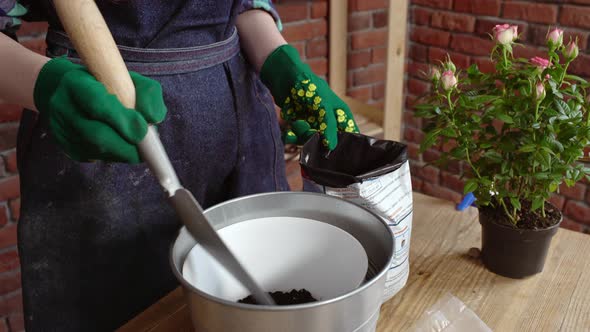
x=311, y=100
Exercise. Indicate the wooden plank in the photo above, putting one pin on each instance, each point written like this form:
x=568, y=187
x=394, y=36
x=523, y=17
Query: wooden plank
x=372, y=113
x=338, y=35
x=172, y=305
x=555, y=300
x=394, y=81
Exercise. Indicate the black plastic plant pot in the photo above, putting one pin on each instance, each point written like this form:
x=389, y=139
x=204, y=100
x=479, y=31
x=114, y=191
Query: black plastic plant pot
x=511, y=252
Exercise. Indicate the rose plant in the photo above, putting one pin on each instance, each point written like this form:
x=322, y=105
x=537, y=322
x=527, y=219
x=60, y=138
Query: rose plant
x=519, y=129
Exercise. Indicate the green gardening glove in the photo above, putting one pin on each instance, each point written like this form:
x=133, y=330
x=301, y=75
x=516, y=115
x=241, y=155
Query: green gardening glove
x=87, y=121
x=305, y=98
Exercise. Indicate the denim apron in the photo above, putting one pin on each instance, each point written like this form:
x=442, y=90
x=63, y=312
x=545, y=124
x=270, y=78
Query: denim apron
x=94, y=238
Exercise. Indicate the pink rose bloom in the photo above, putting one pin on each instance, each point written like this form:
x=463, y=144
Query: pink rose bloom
x=571, y=50
x=505, y=33
x=515, y=31
x=555, y=37
x=448, y=80
x=540, y=62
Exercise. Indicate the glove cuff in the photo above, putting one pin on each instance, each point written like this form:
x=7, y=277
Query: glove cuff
x=48, y=79
x=281, y=69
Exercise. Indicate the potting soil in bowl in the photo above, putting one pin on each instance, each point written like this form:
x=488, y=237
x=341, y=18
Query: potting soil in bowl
x=283, y=254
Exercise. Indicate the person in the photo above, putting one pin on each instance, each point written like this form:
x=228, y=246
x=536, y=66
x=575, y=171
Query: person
x=95, y=229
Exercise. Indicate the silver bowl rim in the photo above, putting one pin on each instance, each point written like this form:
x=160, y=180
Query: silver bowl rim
x=258, y=307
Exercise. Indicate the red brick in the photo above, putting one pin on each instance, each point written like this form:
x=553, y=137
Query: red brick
x=2, y=167
x=365, y=39
x=418, y=52
x=530, y=12
x=421, y=16
x=413, y=151
x=484, y=64
x=441, y=192
x=417, y=183
x=8, y=261
x=380, y=19
x=378, y=55
x=581, y=2
x=567, y=223
x=557, y=200
x=575, y=16
x=32, y=29
x=427, y=173
x=471, y=45
x=453, y=21
x=430, y=36
x=452, y=181
x=444, y=4
x=430, y=155
x=439, y=54
x=528, y=52
x=478, y=7
x=362, y=93
x=372, y=74
x=300, y=46
x=15, y=209
x=378, y=91
x=578, y=211
x=11, y=304
x=576, y=192
x=293, y=11
x=349, y=79
x=319, y=9
x=317, y=48
x=581, y=65
x=358, y=59
x=9, y=113
x=3, y=216
x=359, y=21
x=363, y=5
x=10, y=162
x=538, y=36
x=8, y=132
x=9, y=188
x=16, y=322
x=418, y=69
x=411, y=120
x=319, y=65
x=413, y=135
x=9, y=282
x=304, y=31
x=417, y=87
x=36, y=45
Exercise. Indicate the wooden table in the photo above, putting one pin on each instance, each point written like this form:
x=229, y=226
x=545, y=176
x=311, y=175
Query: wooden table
x=556, y=300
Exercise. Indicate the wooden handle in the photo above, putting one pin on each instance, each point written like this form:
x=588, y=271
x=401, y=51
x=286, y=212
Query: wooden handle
x=94, y=43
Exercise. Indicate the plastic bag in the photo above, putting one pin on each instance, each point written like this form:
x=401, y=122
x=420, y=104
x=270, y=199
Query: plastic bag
x=449, y=314
x=374, y=174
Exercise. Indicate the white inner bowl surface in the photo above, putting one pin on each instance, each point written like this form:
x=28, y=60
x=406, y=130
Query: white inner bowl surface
x=281, y=254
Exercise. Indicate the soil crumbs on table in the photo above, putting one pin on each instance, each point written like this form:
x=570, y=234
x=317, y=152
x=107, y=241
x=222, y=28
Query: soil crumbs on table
x=282, y=298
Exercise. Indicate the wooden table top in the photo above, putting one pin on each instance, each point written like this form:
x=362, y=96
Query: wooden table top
x=558, y=299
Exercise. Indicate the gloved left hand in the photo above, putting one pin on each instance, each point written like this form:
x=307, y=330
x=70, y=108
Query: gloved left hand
x=307, y=103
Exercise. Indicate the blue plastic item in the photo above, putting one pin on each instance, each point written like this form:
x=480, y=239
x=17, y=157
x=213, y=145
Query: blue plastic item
x=468, y=200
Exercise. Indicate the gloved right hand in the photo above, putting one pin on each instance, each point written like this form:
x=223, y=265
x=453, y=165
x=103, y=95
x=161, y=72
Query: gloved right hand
x=87, y=121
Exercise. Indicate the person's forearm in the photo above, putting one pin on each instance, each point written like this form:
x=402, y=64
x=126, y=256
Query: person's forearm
x=259, y=36
x=19, y=68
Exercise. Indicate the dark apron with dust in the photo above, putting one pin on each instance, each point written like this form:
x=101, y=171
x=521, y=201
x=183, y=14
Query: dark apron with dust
x=94, y=238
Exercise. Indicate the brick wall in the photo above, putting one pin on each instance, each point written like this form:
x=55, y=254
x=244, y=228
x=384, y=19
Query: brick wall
x=460, y=27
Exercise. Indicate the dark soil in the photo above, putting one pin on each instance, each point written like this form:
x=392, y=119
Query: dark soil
x=281, y=298
x=527, y=219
